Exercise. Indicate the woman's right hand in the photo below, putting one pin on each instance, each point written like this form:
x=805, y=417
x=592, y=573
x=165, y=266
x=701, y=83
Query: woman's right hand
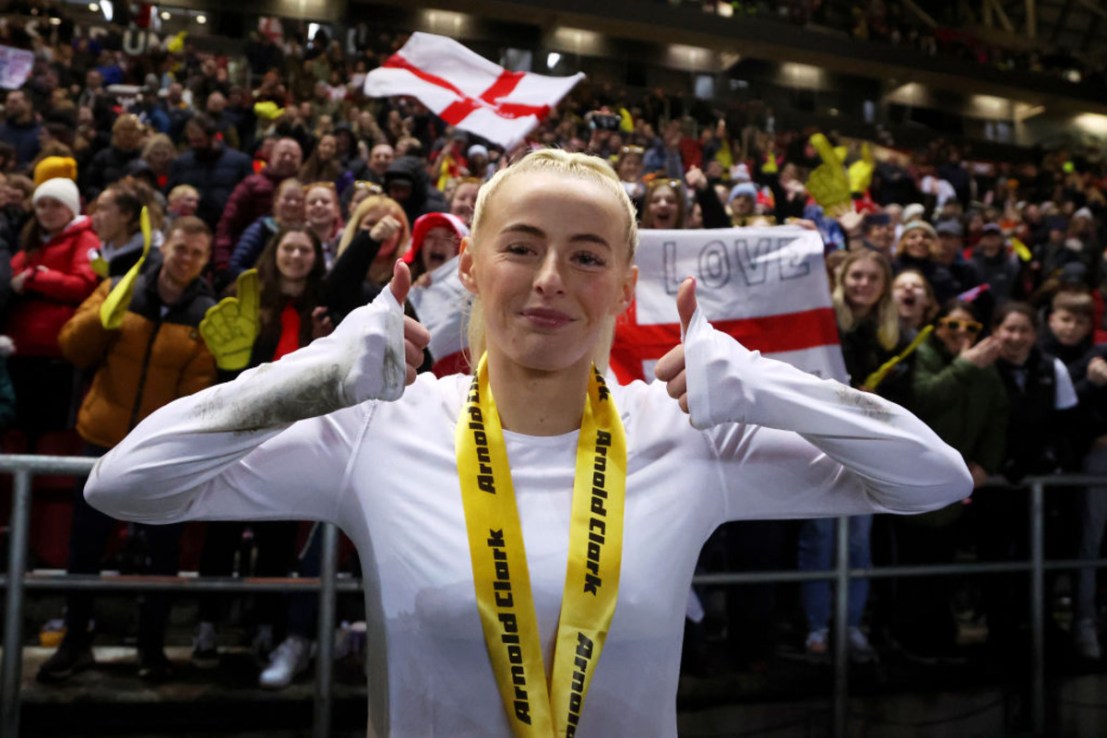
x=385, y=229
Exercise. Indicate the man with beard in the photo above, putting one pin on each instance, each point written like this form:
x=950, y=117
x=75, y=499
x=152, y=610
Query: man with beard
x=209, y=166
x=878, y=233
x=20, y=127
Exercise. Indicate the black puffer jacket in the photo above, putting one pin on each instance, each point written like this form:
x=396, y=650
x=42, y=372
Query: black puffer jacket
x=424, y=198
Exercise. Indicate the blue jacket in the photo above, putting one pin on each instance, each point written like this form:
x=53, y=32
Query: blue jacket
x=251, y=243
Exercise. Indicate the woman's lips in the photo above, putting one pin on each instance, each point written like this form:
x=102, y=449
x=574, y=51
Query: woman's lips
x=546, y=318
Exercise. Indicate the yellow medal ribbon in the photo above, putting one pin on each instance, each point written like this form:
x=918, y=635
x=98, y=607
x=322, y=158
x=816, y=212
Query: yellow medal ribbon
x=500, y=574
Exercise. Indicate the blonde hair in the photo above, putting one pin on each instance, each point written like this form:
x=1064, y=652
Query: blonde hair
x=362, y=209
x=561, y=163
x=885, y=313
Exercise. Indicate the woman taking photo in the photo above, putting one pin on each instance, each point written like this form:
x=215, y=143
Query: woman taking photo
x=959, y=394
x=438, y=483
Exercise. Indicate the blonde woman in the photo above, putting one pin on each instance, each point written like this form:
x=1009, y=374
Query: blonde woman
x=868, y=325
x=439, y=482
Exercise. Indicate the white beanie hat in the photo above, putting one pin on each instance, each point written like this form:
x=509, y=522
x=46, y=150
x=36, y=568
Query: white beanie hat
x=63, y=190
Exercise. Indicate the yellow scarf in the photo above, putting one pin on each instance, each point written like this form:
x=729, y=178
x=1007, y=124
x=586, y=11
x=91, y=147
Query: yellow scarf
x=500, y=574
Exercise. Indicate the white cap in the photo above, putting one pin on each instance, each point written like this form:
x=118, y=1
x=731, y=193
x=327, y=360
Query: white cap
x=912, y=211
x=62, y=189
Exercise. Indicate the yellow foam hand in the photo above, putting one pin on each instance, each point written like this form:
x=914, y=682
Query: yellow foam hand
x=861, y=171
x=118, y=300
x=828, y=183
x=230, y=327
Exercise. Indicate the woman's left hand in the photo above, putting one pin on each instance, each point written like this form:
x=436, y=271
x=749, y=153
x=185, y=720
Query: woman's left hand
x=670, y=367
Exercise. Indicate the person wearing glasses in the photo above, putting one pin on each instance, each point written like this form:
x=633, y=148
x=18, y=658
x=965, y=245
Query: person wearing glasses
x=958, y=392
x=531, y=504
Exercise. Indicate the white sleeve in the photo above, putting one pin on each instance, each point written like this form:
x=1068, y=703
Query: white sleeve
x=807, y=447
x=1065, y=396
x=274, y=443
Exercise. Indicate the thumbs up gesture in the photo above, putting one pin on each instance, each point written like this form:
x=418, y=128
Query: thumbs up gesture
x=230, y=327
x=416, y=336
x=670, y=367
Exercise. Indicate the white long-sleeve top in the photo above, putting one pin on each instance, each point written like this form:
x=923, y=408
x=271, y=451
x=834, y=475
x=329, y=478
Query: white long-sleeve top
x=775, y=443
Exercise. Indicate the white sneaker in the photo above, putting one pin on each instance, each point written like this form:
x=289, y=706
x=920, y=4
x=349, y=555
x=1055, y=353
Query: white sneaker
x=1086, y=640
x=291, y=658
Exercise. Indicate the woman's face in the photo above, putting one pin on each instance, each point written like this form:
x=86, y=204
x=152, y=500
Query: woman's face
x=1016, y=336
x=52, y=215
x=630, y=167
x=663, y=207
x=551, y=266
x=110, y=223
x=465, y=197
x=321, y=207
x=958, y=330
x=326, y=148
x=290, y=205
x=863, y=285
x=439, y=246
x=295, y=256
x=911, y=298
x=160, y=157
x=917, y=244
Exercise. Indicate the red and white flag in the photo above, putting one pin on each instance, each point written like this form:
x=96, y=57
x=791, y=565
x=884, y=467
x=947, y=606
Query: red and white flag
x=766, y=287
x=468, y=91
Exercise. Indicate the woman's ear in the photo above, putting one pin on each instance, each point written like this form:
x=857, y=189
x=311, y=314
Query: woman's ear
x=627, y=291
x=466, y=269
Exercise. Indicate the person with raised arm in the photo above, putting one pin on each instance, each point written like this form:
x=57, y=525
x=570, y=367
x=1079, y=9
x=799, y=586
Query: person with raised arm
x=439, y=481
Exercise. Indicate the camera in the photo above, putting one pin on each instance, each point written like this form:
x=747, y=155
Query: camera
x=605, y=122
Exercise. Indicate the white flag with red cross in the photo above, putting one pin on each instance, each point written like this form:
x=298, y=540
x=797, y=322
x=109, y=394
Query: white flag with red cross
x=766, y=287
x=468, y=91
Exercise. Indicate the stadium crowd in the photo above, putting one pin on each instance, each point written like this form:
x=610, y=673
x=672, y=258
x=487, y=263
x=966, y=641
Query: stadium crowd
x=970, y=292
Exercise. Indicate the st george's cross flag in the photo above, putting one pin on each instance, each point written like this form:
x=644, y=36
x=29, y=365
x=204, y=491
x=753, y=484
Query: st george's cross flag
x=766, y=287
x=468, y=91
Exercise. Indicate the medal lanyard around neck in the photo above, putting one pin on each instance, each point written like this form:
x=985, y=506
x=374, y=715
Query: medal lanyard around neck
x=500, y=574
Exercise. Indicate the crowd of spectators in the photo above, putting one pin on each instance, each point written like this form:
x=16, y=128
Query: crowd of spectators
x=895, y=23
x=982, y=280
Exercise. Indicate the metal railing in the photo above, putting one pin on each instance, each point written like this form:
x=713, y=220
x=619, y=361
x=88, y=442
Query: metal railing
x=23, y=468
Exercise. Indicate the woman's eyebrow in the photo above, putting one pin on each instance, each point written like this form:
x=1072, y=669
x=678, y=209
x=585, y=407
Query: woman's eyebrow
x=530, y=230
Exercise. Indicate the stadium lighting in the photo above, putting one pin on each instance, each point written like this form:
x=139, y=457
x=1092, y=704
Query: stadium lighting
x=552, y=59
x=109, y=10
x=94, y=7
x=201, y=19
